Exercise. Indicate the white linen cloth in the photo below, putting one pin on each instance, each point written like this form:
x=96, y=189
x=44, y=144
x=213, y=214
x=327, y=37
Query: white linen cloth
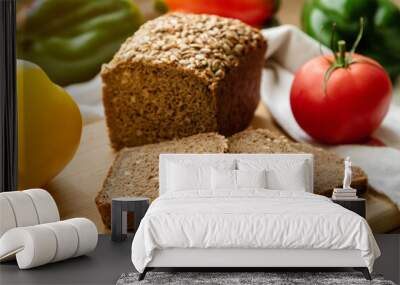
x=288, y=49
x=250, y=219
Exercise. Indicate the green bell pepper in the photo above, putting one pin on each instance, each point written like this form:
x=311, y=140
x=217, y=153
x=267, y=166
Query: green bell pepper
x=382, y=32
x=71, y=39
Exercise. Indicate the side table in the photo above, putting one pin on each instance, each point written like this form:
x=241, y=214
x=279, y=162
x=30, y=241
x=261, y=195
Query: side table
x=119, y=210
x=355, y=205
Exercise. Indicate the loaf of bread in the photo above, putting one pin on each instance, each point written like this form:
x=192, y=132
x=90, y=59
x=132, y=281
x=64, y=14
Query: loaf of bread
x=328, y=167
x=135, y=170
x=183, y=74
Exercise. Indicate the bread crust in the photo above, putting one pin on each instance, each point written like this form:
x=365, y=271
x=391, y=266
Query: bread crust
x=222, y=57
x=238, y=94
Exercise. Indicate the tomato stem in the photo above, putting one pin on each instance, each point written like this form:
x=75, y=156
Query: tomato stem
x=359, y=36
x=342, y=61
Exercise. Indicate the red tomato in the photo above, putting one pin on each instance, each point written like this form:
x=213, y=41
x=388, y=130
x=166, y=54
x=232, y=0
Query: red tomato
x=356, y=100
x=252, y=12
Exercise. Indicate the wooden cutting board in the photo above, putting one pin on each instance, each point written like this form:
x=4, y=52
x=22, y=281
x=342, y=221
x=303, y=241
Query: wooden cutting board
x=75, y=188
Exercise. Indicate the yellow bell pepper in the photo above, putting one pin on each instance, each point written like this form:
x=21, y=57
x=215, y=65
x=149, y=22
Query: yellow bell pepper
x=49, y=126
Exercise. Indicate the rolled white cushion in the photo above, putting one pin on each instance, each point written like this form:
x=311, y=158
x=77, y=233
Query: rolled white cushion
x=33, y=246
x=23, y=208
x=67, y=240
x=87, y=234
x=41, y=244
x=7, y=218
x=45, y=205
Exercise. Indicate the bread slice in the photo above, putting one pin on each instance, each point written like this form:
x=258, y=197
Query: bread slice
x=182, y=74
x=135, y=170
x=328, y=167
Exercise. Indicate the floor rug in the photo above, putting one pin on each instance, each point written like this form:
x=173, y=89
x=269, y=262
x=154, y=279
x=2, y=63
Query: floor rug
x=244, y=278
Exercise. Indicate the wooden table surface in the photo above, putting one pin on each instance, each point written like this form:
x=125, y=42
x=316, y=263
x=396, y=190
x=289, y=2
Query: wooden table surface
x=75, y=188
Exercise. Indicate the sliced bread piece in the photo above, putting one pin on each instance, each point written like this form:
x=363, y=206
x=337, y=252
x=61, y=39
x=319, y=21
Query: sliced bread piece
x=135, y=170
x=328, y=167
